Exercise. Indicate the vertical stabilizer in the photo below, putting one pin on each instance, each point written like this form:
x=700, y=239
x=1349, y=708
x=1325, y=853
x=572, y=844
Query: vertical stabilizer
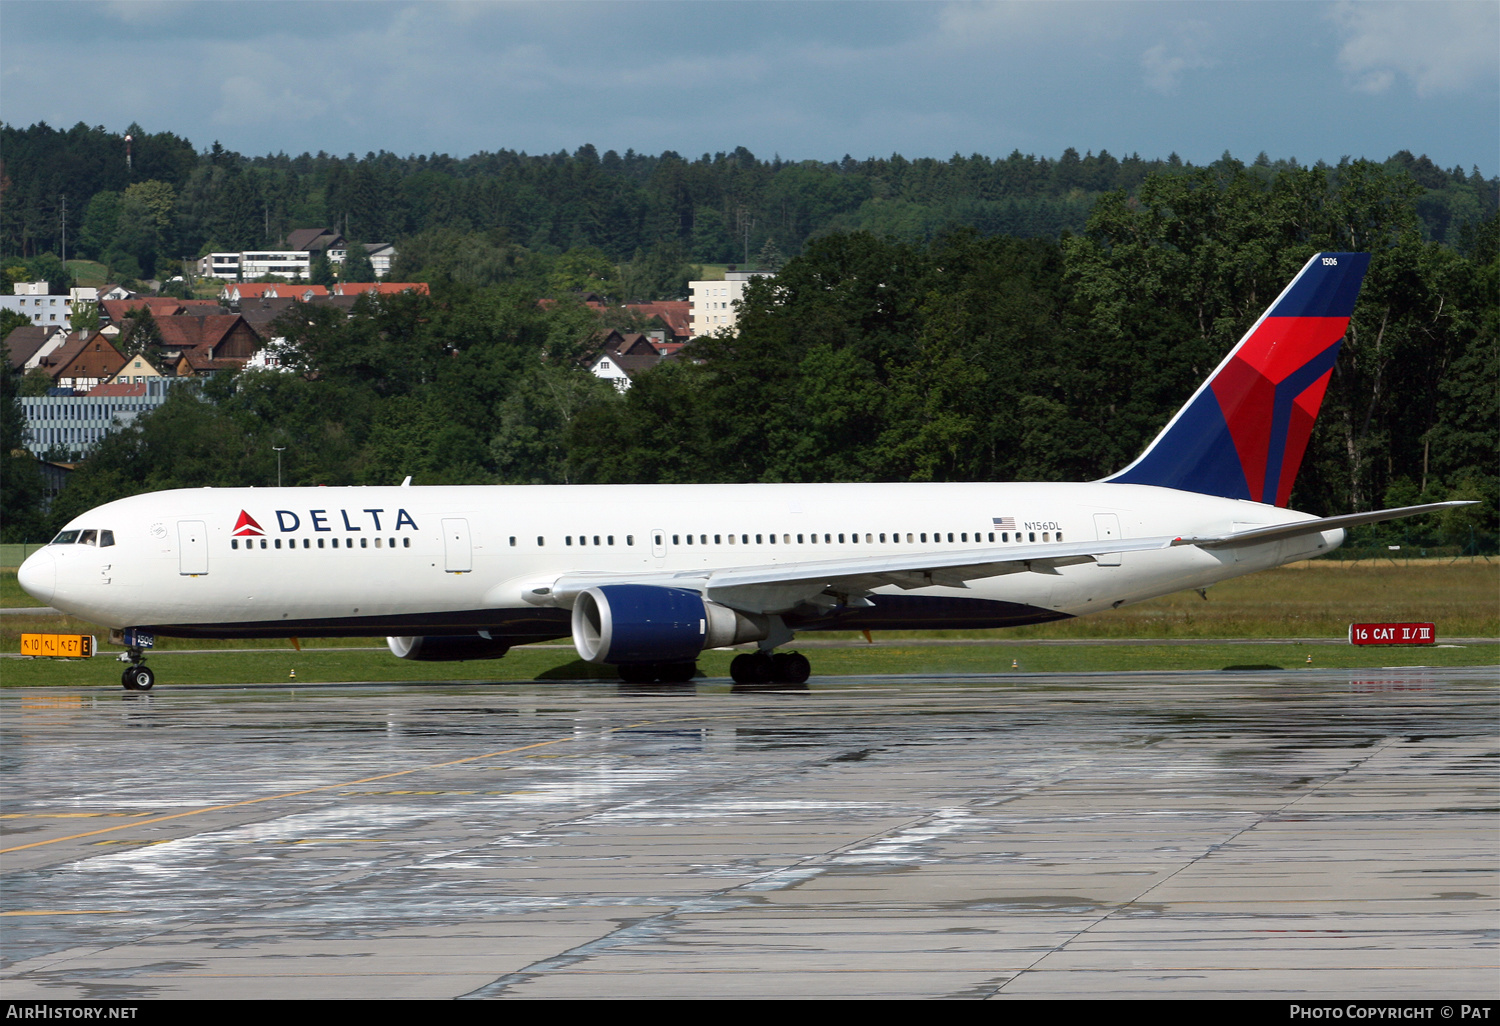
x=1243, y=433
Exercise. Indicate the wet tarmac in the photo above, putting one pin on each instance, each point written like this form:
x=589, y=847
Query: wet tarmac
x=1269, y=835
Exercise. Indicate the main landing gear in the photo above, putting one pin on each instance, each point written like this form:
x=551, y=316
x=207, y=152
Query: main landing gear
x=648, y=673
x=769, y=668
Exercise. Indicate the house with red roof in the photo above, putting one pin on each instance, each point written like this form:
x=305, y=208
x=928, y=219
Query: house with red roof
x=380, y=288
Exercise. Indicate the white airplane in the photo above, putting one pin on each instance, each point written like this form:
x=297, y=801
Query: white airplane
x=645, y=577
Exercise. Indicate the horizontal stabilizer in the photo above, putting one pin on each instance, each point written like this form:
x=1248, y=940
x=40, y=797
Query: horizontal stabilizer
x=1268, y=534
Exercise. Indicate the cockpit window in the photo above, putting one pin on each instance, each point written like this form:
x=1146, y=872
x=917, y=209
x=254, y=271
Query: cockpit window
x=66, y=538
x=89, y=538
x=106, y=538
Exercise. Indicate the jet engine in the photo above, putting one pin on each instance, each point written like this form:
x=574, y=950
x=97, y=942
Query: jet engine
x=643, y=623
x=447, y=648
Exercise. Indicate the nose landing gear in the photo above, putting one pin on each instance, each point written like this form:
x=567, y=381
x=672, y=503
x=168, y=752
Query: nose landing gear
x=138, y=677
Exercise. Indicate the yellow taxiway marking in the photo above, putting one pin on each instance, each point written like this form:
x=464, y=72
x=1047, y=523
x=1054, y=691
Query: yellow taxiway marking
x=348, y=783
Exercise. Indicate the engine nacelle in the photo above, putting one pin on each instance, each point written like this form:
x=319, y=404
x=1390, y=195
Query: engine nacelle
x=447, y=648
x=643, y=623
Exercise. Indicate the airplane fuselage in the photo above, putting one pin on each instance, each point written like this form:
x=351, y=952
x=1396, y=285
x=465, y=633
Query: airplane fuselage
x=299, y=562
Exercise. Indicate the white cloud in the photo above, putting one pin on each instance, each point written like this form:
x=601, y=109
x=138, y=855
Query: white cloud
x=1165, y=63
x=1441, y=47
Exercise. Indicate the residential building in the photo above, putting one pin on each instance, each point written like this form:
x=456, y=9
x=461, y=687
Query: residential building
x=380, y=288
x=45, y=310
x=137, y=371
x=29, y=343
x=287, y=263
x=238, y=293
x=83, y=361
x=625, y=354
x=714, y=305
x=219, y=265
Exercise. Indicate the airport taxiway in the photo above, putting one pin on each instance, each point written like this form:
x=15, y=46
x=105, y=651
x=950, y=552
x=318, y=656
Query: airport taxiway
x=1297, y=835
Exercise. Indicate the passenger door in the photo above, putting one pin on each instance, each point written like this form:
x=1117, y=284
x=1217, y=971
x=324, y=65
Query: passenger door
x=457, y=552
x=192, y=548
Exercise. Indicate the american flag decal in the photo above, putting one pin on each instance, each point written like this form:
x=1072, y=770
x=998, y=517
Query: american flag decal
x=1005, y=523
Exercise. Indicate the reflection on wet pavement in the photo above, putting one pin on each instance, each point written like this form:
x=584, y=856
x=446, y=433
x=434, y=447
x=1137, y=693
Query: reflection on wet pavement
x=1256, y=834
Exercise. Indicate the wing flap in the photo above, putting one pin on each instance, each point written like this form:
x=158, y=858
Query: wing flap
x=772, y=587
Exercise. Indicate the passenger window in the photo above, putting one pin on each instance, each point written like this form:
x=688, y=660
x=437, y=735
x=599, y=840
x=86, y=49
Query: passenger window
x=320, y=543
x=630, y=539
x=882, y=538
x=908, y=537
x=610, y=539
x=539, y=541
x=406, y=543
x=363, y=543
x=689, y=538
x=869, y=539
x=512, y=541
x=262, y=543
x=1059, y=536
x=278, y=543
x=234, y=543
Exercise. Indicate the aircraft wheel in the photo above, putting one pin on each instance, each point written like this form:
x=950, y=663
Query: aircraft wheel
x=638, y=673
x=790, y=668
x=677, y=673
x=138, y=678
x=751, y=668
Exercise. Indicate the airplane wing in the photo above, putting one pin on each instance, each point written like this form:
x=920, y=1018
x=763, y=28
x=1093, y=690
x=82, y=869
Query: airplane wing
x=1276, y=533
x=778, y=587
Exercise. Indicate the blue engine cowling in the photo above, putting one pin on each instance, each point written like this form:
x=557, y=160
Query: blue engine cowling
x=447, y=648
x=643, y=623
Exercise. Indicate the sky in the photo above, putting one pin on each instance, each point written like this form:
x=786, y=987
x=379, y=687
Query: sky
x=802, y=80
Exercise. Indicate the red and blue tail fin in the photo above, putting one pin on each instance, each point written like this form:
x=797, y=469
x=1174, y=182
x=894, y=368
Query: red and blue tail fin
x=1243, y=433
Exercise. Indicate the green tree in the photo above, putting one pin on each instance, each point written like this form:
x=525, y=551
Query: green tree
x=22, y=488
x=357, y=266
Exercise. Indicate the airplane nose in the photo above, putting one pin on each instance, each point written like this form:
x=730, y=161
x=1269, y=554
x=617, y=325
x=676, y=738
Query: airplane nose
x=38, y=576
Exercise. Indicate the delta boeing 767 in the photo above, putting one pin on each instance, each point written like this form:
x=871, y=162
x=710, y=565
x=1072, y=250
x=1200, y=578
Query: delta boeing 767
x=645, y=577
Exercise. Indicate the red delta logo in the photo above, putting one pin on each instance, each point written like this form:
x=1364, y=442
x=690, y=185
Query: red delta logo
x=246, y=526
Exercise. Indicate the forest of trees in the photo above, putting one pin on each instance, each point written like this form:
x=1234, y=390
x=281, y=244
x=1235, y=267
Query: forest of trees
x=173, y=202
x=931, y=349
